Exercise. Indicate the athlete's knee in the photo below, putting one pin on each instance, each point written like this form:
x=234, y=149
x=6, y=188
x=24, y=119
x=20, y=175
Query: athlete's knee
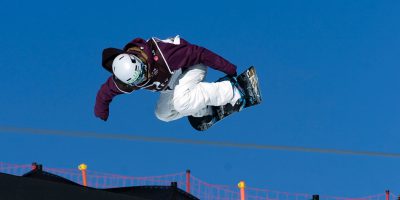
x=166, y=117
x=181, y=104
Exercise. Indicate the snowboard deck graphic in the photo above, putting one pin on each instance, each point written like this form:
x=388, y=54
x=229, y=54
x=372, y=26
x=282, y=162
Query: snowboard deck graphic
x=248, y=80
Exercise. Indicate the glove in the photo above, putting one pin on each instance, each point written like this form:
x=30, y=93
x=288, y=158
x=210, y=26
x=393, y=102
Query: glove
x=103, y=99
x=101, y=107
x=101, y=111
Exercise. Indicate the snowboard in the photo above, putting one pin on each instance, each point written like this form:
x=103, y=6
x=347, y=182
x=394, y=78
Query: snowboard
x=248, y=80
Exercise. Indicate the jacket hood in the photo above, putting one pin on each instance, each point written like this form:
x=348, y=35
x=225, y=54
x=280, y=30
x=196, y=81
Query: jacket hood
x=108, y=57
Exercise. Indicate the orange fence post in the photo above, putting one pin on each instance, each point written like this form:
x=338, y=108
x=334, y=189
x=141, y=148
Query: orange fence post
x=242, y=186
x=188, y=181
x=82, y=167
x=387, y=194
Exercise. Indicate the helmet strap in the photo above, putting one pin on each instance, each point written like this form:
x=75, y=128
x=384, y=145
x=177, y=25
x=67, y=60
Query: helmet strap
x=142, y=56
x=139, y=53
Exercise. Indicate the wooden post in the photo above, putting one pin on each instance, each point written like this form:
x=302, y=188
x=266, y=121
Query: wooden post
x=82, y=167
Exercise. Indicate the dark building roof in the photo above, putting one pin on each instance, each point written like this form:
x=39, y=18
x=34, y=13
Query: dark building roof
x=40, y=185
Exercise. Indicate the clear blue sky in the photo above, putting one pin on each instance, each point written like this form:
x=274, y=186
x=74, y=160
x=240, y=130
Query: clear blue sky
x=329, y=73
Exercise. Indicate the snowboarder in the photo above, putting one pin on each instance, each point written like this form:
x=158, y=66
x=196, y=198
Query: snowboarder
x=173, y=67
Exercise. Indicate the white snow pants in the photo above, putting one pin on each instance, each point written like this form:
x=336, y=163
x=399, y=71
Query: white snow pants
x=191, y=96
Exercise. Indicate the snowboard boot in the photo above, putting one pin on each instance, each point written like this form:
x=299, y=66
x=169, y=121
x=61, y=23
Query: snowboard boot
x=238, y=100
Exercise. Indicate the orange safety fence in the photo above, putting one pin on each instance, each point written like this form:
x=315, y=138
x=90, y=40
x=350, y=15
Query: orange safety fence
x=197, y=187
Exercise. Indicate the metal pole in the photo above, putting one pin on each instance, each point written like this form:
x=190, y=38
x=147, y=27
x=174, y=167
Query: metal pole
x=188, y=181
x=82, y=167
x=387, y=194
x=242, y=186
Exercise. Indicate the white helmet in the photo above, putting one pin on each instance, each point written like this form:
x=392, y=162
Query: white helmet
x=129, y=69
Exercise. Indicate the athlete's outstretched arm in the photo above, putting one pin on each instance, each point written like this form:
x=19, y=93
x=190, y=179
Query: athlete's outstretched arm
x=104, y=97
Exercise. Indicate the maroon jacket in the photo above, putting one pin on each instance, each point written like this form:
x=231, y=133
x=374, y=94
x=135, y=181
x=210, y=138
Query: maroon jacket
x=164, y=57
